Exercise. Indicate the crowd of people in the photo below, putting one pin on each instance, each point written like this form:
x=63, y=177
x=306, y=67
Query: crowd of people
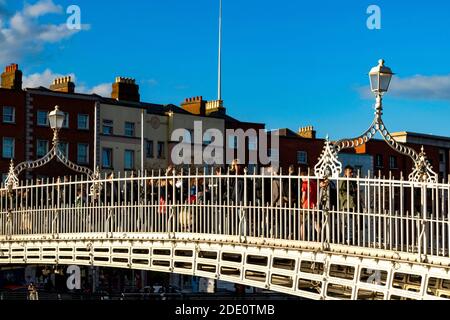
x=295, y=192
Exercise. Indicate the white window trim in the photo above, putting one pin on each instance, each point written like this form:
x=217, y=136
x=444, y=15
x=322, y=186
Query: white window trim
x=393, y=160
x=13, y=147
x=66, y=151
x=87, y=121
x=153, y=149
x=87, y=153
x=109, y=125
x=66, y=116
x=163, y=154
x=47, y=123
x=13, y=115
x=111, y=160
x=125, y=129
x=305, y=153
x=133, y=153
x=37, y=147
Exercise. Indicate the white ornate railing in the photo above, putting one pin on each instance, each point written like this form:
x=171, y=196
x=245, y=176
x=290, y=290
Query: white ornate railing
x=395, y=215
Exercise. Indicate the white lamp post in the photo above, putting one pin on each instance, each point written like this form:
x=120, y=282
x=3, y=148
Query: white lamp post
x=380, y=78
x=329, y=165
x=56, y=120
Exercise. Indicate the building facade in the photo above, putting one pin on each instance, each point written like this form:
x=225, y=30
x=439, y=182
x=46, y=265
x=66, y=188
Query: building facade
x=114, y=126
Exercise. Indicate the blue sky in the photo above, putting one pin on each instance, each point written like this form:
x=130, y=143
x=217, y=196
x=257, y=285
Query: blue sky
x=286, y=63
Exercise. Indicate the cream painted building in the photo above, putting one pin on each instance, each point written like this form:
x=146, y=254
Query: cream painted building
x=197, y=134
x=119, y=129
x=120, y=134
x=120, y=137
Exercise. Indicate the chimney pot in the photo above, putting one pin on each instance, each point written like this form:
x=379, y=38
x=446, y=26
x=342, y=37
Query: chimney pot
x=11, y=78
x=126, y=89
x=63, y=84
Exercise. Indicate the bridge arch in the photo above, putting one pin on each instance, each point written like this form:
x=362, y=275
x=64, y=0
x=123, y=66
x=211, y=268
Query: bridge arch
x=305, y=272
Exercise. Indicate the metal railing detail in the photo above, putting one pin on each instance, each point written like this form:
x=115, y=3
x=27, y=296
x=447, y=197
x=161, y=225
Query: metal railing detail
x=378, y=213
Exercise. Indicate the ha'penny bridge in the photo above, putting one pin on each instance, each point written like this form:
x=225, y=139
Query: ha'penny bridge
x=393, y=244
x=319, y=235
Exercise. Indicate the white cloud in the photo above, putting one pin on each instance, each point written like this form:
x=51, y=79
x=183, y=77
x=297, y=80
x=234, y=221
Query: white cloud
x=103, y=90
x=41, y=8
x=22, y=33
x=418, y=87
x=151, y=82
x=45, y=79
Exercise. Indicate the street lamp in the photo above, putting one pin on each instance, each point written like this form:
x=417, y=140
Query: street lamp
x=56, y=120
x=329, y=165
x=380, y=78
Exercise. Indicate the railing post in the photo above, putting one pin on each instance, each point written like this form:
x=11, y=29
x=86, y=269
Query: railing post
x=243, y=213
x=9, y=224
x=422, y=240
x=325, y=208
x=109, y=222
x=55, y=224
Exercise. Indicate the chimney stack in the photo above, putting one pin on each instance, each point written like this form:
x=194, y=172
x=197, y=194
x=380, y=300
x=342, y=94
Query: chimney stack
x=63, y=84
x=125, y=89
x=195, y=105
x=12, y=77
x=307, y=132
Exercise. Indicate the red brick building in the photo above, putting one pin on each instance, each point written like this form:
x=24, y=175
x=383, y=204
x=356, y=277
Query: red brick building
x=215, y=109
x=25, y=132
x=76, y=138
x=12, y=126
x=301, y=149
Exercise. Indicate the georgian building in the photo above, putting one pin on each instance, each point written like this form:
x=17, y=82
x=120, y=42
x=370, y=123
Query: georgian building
x=113, y=124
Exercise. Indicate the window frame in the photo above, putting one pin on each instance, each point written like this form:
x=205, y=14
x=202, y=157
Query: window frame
x=163, y=153
x=377, y=164
x=125, y=129
x=87, y=153
x=133, y=159
x=46, y=148
x=66, y=151
x=110, y=160
x=13, y=155
x=110, y=124
x=151, y=154
x=66, y=122
x=47, y=122
x=393, y=162
x=87, y=121
x=305, y=154
x=13, y=121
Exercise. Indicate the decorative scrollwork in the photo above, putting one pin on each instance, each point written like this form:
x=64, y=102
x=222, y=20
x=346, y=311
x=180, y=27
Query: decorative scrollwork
x=358, y=141
x=27, y=165
x=12, y=181
x=61, y=157
x=422, y=171
x=394, y=144
x=97, y=186
x=328, y=165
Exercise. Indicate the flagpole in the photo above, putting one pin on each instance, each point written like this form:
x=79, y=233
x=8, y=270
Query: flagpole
x=219, y=82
